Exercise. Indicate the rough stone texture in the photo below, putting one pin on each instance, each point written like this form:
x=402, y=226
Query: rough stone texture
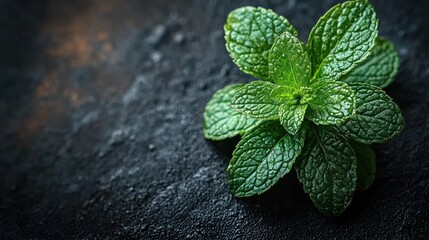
x=101, y=109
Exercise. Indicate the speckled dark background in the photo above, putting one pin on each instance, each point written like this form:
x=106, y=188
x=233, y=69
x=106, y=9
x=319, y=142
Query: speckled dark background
x=101, y=108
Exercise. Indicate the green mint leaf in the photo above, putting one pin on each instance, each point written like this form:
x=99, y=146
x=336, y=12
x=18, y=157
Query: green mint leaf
x=282, y=93
x=379, y=68
x=377, y=117
x=288, y=62
x=221, y=121
x=365, y=158
x=292, y=116
x=261, y=158
x=332, y=103
x=327, y=169
x=342, y=38
x=254, y=99
x=249, y=33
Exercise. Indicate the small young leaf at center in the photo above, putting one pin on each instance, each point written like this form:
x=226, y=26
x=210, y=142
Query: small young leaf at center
x=288, y=62
x=292, y=116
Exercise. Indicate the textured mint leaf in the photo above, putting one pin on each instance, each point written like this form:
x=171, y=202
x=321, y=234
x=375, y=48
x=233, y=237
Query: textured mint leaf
x=288, y=62
x=292, y=116
x=221, y=121
x=377, y=117
x=327, y=169
x=254, y=99
x=249, y=33
x=261, y=158
x=342, y=38
x=290, y=95
x=365, y=158
x=332, y=103
x=379, y=68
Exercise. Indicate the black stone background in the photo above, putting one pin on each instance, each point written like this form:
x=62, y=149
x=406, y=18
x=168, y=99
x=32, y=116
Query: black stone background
x=101, y=126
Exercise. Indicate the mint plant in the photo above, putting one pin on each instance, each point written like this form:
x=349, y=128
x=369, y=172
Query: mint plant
x=316, y=107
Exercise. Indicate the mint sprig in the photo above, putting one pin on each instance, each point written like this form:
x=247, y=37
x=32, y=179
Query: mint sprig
x=317, y=106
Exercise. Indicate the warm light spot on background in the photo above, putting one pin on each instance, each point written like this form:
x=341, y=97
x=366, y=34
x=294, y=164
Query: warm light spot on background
x=44, y=112
x=79, y=41
x=48, y=87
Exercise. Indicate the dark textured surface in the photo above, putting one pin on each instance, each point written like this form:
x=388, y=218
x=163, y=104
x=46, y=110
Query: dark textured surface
x=101, y=109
